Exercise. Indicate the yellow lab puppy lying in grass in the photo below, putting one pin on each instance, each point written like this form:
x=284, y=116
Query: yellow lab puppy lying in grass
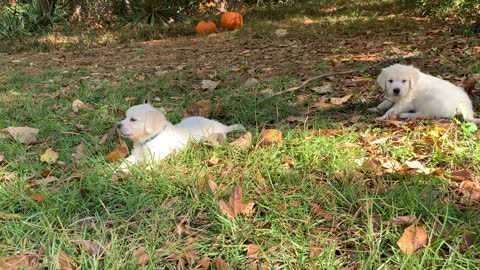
x=155, y=137
x=414, y=94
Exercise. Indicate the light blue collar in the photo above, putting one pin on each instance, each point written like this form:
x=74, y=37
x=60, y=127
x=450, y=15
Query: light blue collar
x=154, y=136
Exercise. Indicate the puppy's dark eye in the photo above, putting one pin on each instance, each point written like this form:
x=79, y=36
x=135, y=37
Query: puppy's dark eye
x=390, y=81
x=133, y=119
x=404, y=81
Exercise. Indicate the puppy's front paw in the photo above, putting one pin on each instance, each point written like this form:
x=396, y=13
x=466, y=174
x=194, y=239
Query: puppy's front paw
x=373, y=110
x=382, y=118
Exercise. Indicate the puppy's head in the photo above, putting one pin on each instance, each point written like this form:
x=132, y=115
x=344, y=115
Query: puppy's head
x=398, y=80
x=141, y=122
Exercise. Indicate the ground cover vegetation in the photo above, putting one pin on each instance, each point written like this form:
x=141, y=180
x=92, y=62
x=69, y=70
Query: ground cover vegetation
x=315, y=183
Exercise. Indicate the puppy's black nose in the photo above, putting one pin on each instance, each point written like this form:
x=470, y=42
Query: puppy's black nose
x=119, y=125
x=396, y=90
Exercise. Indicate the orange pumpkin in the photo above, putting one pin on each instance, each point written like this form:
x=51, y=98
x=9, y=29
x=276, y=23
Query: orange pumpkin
x=205, y=27
x=231, y=20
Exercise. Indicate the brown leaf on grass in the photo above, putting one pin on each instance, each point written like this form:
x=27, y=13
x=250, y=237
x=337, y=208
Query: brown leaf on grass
x=110, y=134
x=119, y=152
x=460, y=176
x=89, y=246
x=288, y=162
x=49, y=156
x=470, y=82
x=470, y=189
x=77, y=105
x=64, y=261
x=418, y=167
x=469, y=239
x=220, y=264
x=209, y=84
x=199, y=108
x=271, y=137
x=340, y=101
x=319, y=212
x=402, y=220
x=252, y=250
x=414, y=238
x=213, y=160
x=80, y=150
x=321, y=103
x=141, y=256
x=23, y=261
x=315, y=251
x=242, y=141
x=204, y=263
x=235, y=205
x=37, y=197
x=25, y=135
x=325, y=88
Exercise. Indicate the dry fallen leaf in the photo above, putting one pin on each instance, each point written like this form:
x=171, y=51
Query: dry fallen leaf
x=252, y=250
x=414, y=238
x=77, y=105
x=23, y=261
x=242, y=141
x=319, y=212
x=37, y=197
x=469, y=239
x=204, y=262
x=340, y=101
x=64, y=261
x=199, y=108
x=209, y=84
x=213, y=160
x=315, y=251
x=220, y=264
x=25, y=135
x=271, y=137
x=470, y=189
x=89, y=246
x=326, y=87
x=119, y=152
x=79, y=153
x=235, y=204
x=288, y=162
x=49, y=156
x=402, y=220
x=460, y=176
x=141, y=256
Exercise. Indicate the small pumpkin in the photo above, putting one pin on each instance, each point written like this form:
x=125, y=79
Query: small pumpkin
x=231, y=20
x=205, y=27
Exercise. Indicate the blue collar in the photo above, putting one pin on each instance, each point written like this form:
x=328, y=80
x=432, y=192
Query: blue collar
x=154, y=136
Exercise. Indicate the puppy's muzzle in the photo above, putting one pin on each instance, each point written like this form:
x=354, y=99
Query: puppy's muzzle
x=119, y=125
x=396, y=91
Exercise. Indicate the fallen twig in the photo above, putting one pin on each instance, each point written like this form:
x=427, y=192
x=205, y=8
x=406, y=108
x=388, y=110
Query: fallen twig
x=303, y=84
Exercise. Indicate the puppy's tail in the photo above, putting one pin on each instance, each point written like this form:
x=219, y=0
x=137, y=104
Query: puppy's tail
x=236, y=127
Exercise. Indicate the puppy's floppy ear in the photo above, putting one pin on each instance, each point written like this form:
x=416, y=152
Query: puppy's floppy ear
x=414, y=76
x=382, y=79
x=154, y=120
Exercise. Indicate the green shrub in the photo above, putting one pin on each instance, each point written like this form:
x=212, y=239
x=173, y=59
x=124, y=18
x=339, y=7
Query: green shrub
x=23, y=19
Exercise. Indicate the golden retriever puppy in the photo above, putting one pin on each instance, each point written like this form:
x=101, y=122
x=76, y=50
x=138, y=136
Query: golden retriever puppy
x=411, y=93
x=154, y=137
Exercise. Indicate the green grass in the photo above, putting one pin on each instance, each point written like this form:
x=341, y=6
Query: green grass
x=147, y=208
